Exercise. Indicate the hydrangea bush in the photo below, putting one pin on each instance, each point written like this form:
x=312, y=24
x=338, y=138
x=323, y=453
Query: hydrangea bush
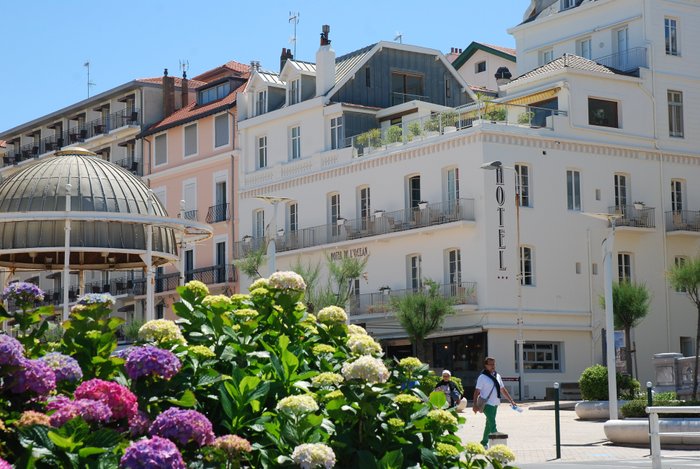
x=243, y=381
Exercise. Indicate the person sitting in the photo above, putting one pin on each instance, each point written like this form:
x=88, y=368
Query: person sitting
x=448, y=386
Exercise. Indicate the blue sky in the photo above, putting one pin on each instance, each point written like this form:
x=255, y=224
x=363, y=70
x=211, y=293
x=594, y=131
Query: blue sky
x=45, y=43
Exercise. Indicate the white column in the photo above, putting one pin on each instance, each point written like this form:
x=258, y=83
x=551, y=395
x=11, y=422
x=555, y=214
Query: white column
x=65, y=280
x=271, y=244
x=150, y=274
x=609, y=321
x=181, y=260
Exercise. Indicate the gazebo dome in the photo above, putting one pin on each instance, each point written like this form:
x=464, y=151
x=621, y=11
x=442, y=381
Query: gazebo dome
x=109, y=215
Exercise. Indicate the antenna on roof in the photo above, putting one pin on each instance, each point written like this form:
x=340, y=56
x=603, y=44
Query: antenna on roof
x=184, y=66
x=89, y=83
x=294, y=19
x=399, y=37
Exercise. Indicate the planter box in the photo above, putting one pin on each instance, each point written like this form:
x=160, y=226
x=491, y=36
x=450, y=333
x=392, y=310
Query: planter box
x=595, y=410
x=636, y=431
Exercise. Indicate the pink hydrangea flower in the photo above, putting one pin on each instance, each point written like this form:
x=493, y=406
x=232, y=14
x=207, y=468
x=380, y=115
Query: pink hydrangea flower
x=118, y=398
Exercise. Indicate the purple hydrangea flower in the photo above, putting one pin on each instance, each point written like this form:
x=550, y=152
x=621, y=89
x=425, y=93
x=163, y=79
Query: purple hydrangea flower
x=156, y=452
x=4, y=464
x=90, y=410
x=139, y=423
x=183, y=426
x=23, y=294
x=104, y=299
x=152, y=361
x=11, y=351
x=35, y=376
x=124, y=353
x=66, y=368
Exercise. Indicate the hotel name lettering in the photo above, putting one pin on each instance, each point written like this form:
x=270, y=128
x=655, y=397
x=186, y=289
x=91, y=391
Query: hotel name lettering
x=349, y=253
x=501, y=200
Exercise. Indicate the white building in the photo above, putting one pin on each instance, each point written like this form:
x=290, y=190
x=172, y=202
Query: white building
x=583, y=136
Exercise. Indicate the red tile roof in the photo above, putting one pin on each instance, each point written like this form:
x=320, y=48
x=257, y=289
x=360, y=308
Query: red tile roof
x=216, y=72
x=191, y=84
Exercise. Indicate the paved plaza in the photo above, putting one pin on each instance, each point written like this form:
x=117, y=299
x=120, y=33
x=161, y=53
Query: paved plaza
x=531, y=436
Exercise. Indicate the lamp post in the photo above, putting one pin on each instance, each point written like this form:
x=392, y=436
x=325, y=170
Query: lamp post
x=609, y=316
x=271, y=246
x=498, y=166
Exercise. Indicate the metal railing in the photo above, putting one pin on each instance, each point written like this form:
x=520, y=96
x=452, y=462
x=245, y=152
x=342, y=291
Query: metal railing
x=625, y=61
x=683, y=220
x=654, y=433
x=400, y=98
x=462, y=293
x=217, y=213
x=378, y=224
x=633, y=216
x=225, y=273
x=190, y=215
x=131, y=164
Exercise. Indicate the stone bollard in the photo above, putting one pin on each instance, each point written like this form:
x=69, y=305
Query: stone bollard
x=498, y=438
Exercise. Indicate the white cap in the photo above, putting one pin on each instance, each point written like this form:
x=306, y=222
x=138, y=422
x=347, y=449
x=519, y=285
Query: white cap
x=446, y=372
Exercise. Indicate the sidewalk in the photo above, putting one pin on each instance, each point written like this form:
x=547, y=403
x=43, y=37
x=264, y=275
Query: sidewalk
x=531, y=436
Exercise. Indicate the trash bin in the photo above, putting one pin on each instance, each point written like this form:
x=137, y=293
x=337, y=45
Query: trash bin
x=498, y=438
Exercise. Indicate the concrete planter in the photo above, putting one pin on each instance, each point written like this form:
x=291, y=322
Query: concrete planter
x=594, y=410
x=636, y=431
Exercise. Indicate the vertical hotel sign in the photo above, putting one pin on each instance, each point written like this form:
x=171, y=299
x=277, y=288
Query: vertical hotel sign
x=500, y=201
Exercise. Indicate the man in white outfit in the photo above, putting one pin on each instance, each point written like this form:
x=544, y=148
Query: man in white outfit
x=490, y=386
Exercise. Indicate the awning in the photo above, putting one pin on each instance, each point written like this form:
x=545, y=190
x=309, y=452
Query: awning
x=400, y=333
x=126, y=308
x=535, y=98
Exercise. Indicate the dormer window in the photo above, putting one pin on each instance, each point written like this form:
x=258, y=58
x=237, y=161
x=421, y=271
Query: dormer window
x=294, y=92
x=261, y=103
x=214, y=93
x=566, y=4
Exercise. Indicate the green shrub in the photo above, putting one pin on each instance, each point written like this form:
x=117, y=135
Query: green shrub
x=415, y=129
x=636, y=408
x=594, y=384
x=371, y=138
x=525, y=117
x=394, y=134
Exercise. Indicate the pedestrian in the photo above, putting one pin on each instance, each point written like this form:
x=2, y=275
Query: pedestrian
x=449, y=388
x=489, y=385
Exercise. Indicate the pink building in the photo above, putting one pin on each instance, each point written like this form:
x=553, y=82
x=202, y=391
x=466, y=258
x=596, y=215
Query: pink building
x=191, y=166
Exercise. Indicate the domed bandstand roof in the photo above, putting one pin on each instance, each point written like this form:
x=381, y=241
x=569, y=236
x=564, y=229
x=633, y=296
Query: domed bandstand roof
x=108, y=214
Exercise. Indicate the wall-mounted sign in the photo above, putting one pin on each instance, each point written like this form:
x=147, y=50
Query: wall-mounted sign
x=362, y=251
x=500, y=201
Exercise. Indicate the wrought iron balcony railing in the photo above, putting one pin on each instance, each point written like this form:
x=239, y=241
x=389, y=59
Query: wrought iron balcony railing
x=462, y=293
x=633, y=216
x=219, y=213
x=626, y=61
x=378, y=224
x=683, y=220
x=225, y=273
x=131, y=164
x=190, y=215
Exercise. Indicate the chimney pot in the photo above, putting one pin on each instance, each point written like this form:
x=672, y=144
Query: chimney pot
x=325, y=29
x=165, y=72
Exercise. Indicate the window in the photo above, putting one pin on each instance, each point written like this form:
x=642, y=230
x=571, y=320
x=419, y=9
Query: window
x=406, y=87
x=261, y=103
x=448, y=87
x=621, y=191
x=688, y=346
x=215, y=92
x=190, y=140
x=671, y=36
x=452, y=177
x=413, y=191
x=259, y=223
x=546, y=56
x=294, y=91
x=262, y=153
x=189, y=195
x=602, y=112
x=454, y=270
x=334, y=213
x=527, y=276
x=566, y=4
x=160, y=311
x=365, y=208
x=292, y=217
x=573, y=190
x=522, y=184
x=542, y=356
x=220, y=251
x=620, y=47
x=624, y=267
x=414, y=279
x=675, y=113
x=480, y=67
x=161, y=153
x=337, y=134
x=679, y=261
x=221, y=130
x=189, y=265
x=583, y=48
x=295, y=143
x=677, y=193
x=594, y=269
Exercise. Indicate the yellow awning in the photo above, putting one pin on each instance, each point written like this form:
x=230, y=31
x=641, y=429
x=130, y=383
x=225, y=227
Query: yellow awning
x=536, y=97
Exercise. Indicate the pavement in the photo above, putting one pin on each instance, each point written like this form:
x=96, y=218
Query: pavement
x=531, y=436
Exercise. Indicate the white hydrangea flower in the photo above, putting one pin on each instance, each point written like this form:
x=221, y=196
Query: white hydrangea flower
x=332, y=315
x=312, y=455
x=298, y=405
x=354, y=329
x=366, y=368
x=363, y=345
x=161, y=330
x=287, y=281
x=327, y=379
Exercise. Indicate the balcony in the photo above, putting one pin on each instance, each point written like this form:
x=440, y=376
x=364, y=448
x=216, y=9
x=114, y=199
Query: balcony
x=132, y=165
x=463, y=293
x=379, y=224
x=628, y=61
x=217, y=213
x=683, y=220
x=633, y=216
x=211, y=275
x=190, y=215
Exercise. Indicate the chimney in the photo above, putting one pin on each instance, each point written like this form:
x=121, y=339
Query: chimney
x=286, y=55
x=325, y=64
x=185, y=97
x=168, y=94
x=503, y=76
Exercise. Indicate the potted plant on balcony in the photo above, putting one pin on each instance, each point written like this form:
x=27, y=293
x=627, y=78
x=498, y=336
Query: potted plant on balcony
x=638, y=205
x=385, y=289
x=415, y=129
x=371, y=138
x=379, y=213
x=423, y=204
x=526, y=118
x=394, y=134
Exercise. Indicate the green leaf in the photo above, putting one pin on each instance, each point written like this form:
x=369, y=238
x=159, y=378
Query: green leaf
x=366, y=460
x=90, y=450
x=64, y=443
x=438, y=399
x=103, y=438
x=35, y=436
x=428, y=457
x=392, y=460
x=186, y=400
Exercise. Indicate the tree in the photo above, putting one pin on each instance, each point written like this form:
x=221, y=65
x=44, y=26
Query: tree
x=421, y=313
x=250, y=264
x=630, y=306
x=686, y=277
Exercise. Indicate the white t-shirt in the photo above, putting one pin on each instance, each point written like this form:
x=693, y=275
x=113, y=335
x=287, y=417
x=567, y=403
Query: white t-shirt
x=485, y=385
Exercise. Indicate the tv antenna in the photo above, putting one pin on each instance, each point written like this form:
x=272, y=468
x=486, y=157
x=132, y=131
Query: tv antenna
x=294, y=19
x=89, y=83
x=399, y=37
x=184, y=66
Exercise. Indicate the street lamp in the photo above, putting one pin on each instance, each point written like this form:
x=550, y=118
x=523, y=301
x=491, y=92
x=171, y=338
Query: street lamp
x=498, y=166
x=609, y=316
x=271, y=246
